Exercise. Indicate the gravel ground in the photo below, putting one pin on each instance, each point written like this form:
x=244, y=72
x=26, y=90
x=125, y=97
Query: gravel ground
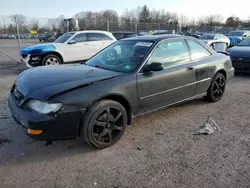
x=158, y=150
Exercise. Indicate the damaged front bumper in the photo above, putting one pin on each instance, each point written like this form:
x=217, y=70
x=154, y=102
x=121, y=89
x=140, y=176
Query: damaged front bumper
x=31, y=61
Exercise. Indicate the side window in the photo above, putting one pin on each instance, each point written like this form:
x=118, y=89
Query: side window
x=171, y=53
x=197, y=51
x=97, y=37
x=80, y=38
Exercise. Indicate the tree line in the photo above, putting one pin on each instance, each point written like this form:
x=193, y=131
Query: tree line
x=139, y=18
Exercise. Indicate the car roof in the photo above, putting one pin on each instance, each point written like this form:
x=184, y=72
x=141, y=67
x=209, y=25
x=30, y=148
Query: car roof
x=156, y=37
x=212, y=34
x=90, y=31
x=122, y=32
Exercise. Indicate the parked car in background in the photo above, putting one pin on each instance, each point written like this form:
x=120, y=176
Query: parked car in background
x=95, y=101
x=160, y=32
x=237, y=36
x=11, y=36
x=123, y=34
x=70, y=47
x=45, y=38
x=240, y=55
x=195, y=35
x=210, y=39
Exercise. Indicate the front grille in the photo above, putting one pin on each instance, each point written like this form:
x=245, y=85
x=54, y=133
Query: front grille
x=24, y=56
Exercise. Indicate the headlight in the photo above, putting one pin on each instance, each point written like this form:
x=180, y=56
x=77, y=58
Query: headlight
x=43, y=107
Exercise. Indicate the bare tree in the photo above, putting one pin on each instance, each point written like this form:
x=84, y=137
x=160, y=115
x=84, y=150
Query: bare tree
x=214, y=20
x=155, y=15
x=233, y=21
x=60, y=23
x=19, y=18
x=35, y=24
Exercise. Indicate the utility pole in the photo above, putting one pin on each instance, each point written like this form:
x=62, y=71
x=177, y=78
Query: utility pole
x=135, y=27
x=18, y=35
x=107, y=25
x=108, y=22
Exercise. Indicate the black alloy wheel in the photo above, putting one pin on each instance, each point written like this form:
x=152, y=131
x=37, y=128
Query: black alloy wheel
x=217, y=88
x=104, y=123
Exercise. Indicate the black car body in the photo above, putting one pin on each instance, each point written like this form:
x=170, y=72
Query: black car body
x=95, y=101
x=240, y=56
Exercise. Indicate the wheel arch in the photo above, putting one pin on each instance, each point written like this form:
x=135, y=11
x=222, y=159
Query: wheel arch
x=122, y=100
x=115, y=97
x=55, y=53
x=222, y=71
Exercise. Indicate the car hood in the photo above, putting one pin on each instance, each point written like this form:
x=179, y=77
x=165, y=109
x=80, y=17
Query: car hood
x=44, y=82
x=239, y=51
x=40, y=49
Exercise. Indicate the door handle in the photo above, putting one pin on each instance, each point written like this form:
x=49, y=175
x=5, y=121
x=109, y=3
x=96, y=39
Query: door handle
x=190, y=68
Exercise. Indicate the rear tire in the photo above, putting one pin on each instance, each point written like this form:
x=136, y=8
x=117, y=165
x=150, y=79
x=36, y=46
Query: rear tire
x=51, y=59
x=103, y=124
x=217, y=88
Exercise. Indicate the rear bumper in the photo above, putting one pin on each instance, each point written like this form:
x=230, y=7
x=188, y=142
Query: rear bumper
x=61, y=126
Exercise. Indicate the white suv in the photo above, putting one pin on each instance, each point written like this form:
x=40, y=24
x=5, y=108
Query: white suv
x=70, y=47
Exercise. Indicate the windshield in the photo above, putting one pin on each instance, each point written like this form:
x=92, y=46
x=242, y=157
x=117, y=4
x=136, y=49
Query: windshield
x=236, y=33
x=245, y=42
x=122, y=56
x=207, y=37
x=64, y=37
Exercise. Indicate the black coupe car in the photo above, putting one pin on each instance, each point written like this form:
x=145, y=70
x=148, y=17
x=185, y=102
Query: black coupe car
x=95, y=101
x=240, y=55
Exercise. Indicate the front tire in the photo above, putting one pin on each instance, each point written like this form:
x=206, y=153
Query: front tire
x=51, y=59
x=217, y=88
x=104, y=124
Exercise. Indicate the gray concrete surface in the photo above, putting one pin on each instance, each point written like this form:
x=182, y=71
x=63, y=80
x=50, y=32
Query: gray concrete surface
x=176, y=158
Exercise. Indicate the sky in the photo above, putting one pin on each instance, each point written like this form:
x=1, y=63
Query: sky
x=68, y=8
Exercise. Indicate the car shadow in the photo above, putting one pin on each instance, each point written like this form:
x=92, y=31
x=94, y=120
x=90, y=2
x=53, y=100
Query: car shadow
x=18, y=148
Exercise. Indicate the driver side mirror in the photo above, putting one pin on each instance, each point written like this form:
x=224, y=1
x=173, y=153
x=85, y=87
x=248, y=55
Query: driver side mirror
x=72, y=42
x=155, y=66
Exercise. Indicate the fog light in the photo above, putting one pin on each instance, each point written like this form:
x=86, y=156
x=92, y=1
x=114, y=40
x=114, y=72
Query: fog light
x=34, y=132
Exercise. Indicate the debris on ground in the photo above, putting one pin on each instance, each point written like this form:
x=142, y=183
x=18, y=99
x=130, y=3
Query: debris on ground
x=139, y=148
x=4, y=140
x=95, y=183
x=209, y=127
x=160, y=133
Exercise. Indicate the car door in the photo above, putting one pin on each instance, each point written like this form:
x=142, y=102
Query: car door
x=76, y=49
x=203, y=63
x=97, y=42
x=175, y=83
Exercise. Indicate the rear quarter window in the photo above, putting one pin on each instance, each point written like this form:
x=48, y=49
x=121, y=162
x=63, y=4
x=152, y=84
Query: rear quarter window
x=197, y=51
x=98, y=37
